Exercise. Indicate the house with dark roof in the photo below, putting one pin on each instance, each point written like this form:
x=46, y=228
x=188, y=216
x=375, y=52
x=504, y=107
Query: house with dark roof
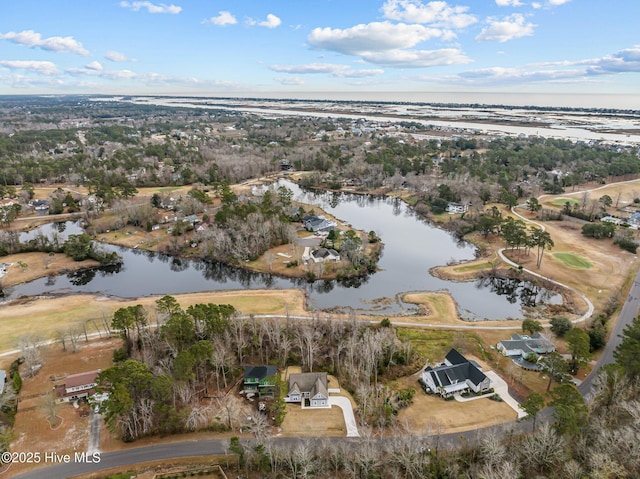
x=308, y=389
x=259, y=380
x=519, y=346
x=325, y=255
x=318, y=223
x=455, y=376
x=77, y=386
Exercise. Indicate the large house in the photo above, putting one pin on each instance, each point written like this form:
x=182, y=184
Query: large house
x=308, y=389
x=324, y=255
x=259, y=380
x=77, y=386
x=519, y=346
x=456, y=375
x=457, y=208
x=318, y=223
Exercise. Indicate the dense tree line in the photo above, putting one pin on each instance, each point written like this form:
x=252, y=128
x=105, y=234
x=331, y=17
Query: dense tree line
x=163, y=372
x=596, y=437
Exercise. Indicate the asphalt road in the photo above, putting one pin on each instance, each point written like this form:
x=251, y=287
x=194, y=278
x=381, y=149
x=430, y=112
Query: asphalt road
x=627, y=313
x=219, y=446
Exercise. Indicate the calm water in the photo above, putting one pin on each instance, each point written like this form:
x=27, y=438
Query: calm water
x=411, y=248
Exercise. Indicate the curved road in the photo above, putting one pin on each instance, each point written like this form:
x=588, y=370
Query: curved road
x=219, y=446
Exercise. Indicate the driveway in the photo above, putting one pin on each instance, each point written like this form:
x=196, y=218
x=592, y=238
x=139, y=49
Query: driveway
x=501, y=388
x=349, y=419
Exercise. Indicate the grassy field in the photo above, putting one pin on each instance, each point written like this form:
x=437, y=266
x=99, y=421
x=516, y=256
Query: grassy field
x=573, y=260
x=562, y=201
x=45, y=317
x=472, y=267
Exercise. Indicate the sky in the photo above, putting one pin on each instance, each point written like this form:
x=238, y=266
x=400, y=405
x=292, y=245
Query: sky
x=224, y=47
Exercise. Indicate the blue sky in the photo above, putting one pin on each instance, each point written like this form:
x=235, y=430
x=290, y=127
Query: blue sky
x=220, y=47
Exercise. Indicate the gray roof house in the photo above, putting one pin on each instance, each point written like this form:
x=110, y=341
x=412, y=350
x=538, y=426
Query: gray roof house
x=520, y=345
x=317, y=223
x=309, y=389
x=456, y=375
x=322, y=255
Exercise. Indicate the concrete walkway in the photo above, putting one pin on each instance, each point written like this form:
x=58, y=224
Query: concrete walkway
x=500, y=388
x=349, y=419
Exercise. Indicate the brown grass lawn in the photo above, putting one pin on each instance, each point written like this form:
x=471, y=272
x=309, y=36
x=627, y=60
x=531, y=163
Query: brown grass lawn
x=45, y=316
x=32, y=431
x=39, y=265
x=432, y=414
x=313, y=422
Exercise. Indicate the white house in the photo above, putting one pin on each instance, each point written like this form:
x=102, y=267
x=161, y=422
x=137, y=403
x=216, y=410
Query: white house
x=308, y=389
x=77, y=386
x=457, y=208
x=324, y=255
x=519, y=346
x=456, y=375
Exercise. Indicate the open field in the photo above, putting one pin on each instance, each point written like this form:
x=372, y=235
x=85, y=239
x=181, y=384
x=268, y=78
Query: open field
x=26, y=267
x=611, y=266
x=573, y=260
x=45, y=316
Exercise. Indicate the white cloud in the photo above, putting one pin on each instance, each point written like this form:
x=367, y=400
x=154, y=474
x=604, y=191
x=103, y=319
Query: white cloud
x=371, y=37
x=152, y=7
x=437, y=13
x=94, y=65
x=388, y=44
x=623, y=61
x=31, y=39
x=417, y=58
x=223, y=18
x=40, y=67
x=549, y=4
x=333, y=69
x=290, y=81
x=509, y=3
x=627, y=60
x=118, y=57
x=513, y=26
x=271, y=21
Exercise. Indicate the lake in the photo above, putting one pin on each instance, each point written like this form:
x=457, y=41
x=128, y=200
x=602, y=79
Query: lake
x=411, y=247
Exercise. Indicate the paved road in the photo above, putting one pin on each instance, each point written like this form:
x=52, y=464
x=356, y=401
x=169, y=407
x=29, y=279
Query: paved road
x=627, y=313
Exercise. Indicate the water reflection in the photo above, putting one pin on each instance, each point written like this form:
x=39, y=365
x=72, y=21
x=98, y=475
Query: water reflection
x=411, y=247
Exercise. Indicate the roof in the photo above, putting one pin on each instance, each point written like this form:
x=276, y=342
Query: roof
x=537, y=343
x=458, y=369
x=313, y=382
x=81, y=379
x=324, y=253
x=259, y=372
x=3, y=378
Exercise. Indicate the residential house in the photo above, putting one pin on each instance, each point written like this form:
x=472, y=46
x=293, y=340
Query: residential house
x=457, y=208
x=308, y=389
x=77, y=386
x=192, y=219
x=519, y=346
x=318, y=223
x=324, y=255
x=259, y=380
x=455, y=376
